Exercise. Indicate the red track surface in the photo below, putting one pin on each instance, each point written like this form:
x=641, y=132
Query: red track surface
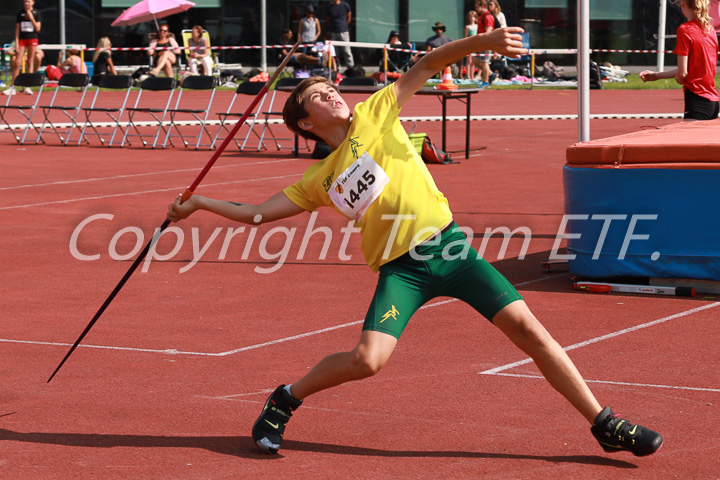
x=170, y=380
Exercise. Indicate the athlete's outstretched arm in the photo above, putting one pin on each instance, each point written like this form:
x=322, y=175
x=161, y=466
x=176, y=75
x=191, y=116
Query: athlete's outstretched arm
x=505, y=41
x=650, y=76
x=276, y=207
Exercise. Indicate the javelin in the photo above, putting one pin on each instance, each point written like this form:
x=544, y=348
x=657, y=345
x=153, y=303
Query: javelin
x=186, y=195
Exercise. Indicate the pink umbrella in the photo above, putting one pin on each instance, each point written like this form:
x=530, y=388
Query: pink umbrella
x=147, y=10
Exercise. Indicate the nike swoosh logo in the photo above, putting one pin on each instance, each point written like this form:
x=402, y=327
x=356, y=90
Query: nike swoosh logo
x=274, y=425
x=632, y=432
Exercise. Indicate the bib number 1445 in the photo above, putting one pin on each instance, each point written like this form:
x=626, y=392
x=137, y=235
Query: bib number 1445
x=363, y=185
x=354, y=190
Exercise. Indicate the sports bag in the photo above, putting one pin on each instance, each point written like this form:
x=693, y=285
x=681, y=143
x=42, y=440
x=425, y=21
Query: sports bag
x=427, y=149
x=431, y=154
x=53, y=73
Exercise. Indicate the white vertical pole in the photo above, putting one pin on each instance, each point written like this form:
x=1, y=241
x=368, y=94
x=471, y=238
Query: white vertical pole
x=263, y=35
x=661, y=36
x=61, y=19
x=583, y=67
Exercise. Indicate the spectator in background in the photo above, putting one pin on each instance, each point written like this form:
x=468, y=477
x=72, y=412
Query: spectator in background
x=102, y=61
x=471, y=28
x=439, y=39
x=339, y=16
x=199, y=53
x=37, y=61
x=494, y=7
x=303, y=61
x=27, y=26
x=309, y=30
x=282, y=52
x=326, y=58
x=285, y=39
x=73, y=63
x=397, y=61
x=165, y=58
x=697, y=52
x=486, y=24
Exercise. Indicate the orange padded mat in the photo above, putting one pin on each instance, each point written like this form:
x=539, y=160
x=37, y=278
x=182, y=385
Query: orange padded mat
x=679, y=145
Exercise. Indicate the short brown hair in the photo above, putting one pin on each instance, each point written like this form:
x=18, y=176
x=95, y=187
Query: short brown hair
x=294, y=110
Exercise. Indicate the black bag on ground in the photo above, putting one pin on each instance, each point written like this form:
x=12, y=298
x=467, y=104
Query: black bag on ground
x=230, y=76
x=253, y=72
x=595, y=77
x=506, y=71
x=356, y=71
x=553, y=73
x=140, y=72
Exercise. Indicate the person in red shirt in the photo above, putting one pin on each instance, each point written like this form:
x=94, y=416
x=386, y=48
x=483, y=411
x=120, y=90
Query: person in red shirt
x=697, y=51
x=486, y=24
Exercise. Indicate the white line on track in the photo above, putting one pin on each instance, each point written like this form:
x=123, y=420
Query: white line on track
x=172, y=351
x=494, y=371
x=115, y=177
x=169, y=351
x=126, y=194
x=498, y=371
x=611, y=382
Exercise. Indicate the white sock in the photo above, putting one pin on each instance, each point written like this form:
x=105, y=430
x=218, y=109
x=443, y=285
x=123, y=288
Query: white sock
x=287, y=389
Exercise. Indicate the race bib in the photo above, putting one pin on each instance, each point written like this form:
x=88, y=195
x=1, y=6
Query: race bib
x=26, y=26
x=355, y=189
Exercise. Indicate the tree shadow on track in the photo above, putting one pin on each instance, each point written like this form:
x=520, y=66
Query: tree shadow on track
x=242, y=446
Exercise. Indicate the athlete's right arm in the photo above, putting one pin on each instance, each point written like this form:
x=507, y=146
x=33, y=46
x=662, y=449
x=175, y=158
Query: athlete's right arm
x=682, y=70
x=276, y=207
x=650, y=76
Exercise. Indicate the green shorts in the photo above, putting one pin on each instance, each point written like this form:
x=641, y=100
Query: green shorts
x=446, y=266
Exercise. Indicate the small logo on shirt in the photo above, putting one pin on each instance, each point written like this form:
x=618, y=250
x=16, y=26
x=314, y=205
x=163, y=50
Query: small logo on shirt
x=327, y=183
x=354, y=144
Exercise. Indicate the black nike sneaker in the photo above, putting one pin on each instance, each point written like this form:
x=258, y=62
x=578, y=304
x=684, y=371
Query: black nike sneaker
x=615, y=434
x=270, y=425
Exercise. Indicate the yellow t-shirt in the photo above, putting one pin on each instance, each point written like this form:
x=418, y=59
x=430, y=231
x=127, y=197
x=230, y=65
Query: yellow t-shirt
x=377, y=178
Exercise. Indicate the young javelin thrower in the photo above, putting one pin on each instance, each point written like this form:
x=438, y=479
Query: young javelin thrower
x=375, y=176
x=697, y=51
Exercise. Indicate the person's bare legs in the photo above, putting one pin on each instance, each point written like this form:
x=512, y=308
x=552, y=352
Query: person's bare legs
x=15, y=67
x=165, y=62
x=306, y=59
x=19, y=59
x=485, y=71
x=524, y=330
x=31, y=49
x=470, y=68
x=38, y=56
x=365, y=360
x=515, y=321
